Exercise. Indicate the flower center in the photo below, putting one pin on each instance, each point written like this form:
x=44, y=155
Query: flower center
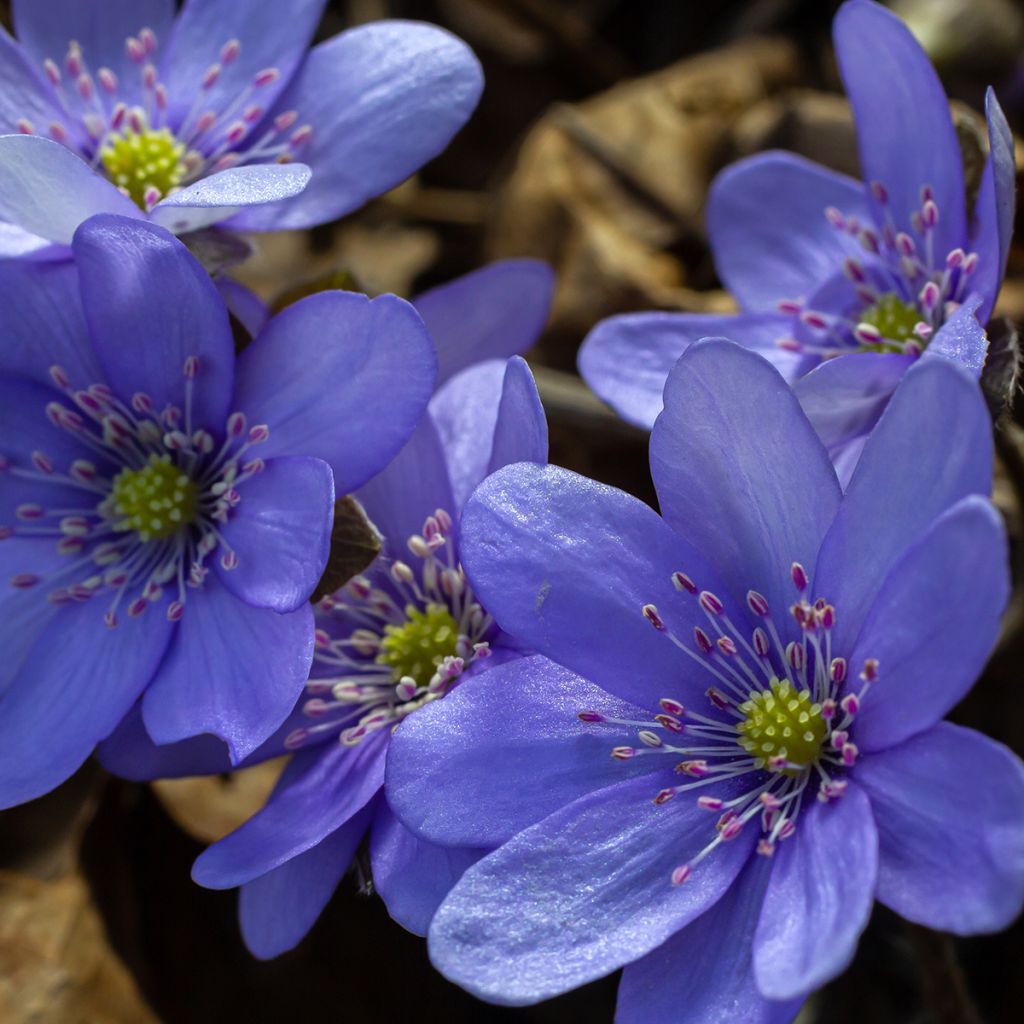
x=155, y=501
x=417, y=627
x=145, y=164
x=782, y=723
x=421, y=645
x=894, y=319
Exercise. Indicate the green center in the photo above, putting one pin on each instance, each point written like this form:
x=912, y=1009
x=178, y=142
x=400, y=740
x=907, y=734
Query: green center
x=416, y=648
x=137, y=161
x=155, y=501
x=894, y=318
x=782, y=722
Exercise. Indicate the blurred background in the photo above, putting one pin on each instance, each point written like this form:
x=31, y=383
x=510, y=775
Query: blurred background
x=600, y=129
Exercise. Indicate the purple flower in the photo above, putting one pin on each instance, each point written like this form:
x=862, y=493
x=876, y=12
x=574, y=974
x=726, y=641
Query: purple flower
x=825, y=267
x=216, y=115
x=768, y=666
x=388, y=643
x=166, y=508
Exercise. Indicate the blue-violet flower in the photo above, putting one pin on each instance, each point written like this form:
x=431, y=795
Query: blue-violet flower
x=214, y=115
x=768, y=667
x=166, y=508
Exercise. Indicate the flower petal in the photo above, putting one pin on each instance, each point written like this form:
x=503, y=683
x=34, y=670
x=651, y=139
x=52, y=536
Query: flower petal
x=76, y=683
x=818, y=899
x=150, y=306
x=949, y=805
x=271, y=35
x=277, y=910
x=579, y=894
x=932, y=447
x=18, y=244
x=844, y=397
x=243, y=304
x=740, y=472
x=322, y=790
x=769, y=233
x=411, y=875
x=904, y=128
x=994, y=208
x=931, y=649
x=48, y=190
x=565, y=565
x=339, y=377
x=281, y=532
x=521, y=431
x=455, y=779
x=627, y=359
x=495, y=312
x=961, y=338
x=24, y=92
x=413, y=486
x=382, y=100
x=233, y=670
x=706, y=967
x=222, y=195
x=46, y=27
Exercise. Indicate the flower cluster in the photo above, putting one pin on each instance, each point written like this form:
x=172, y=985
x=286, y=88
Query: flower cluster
x=568, y=734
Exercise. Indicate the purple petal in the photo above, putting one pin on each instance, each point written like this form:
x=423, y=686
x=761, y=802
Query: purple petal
x=740, y=472
x=48, y=190
x=818, y=899
x=272, y=35
x=382, y=100
x=961, y=338
x=130, y=753
x=949, y=805
x=277, y=910
x=521, y=431
x=281, y=532
x=233, y=670
x=627, y=359
x=213, y=199
x=505, y=750
x=565, y=565
x=465, y=413
x=411, y=875
x=44, y=324
x=244, y=304
x=769, y=233
x=495, y=312
x=929, y=646
x=706, y=967
x=323, y=789
x=904, y=128
x=995, y=207
x=579, y=894
x=77, y=682
x=18, y=244
x=150, y=306
x=24, y=94
x=339, y=377
x=413, y=486
x=46, y=27
x=932, y=447
x=844, y=398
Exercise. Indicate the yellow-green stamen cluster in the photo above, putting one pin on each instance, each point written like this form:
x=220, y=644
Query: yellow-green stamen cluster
x=781, y=722
x=417, y=648
x=139, y=161
x=894, y=319
x=155, y=501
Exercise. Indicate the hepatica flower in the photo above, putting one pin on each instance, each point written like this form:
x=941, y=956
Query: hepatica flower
x=731, y=741
x=392, y=641
x=825, y=267
x=218, y=114
x=166, y=509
